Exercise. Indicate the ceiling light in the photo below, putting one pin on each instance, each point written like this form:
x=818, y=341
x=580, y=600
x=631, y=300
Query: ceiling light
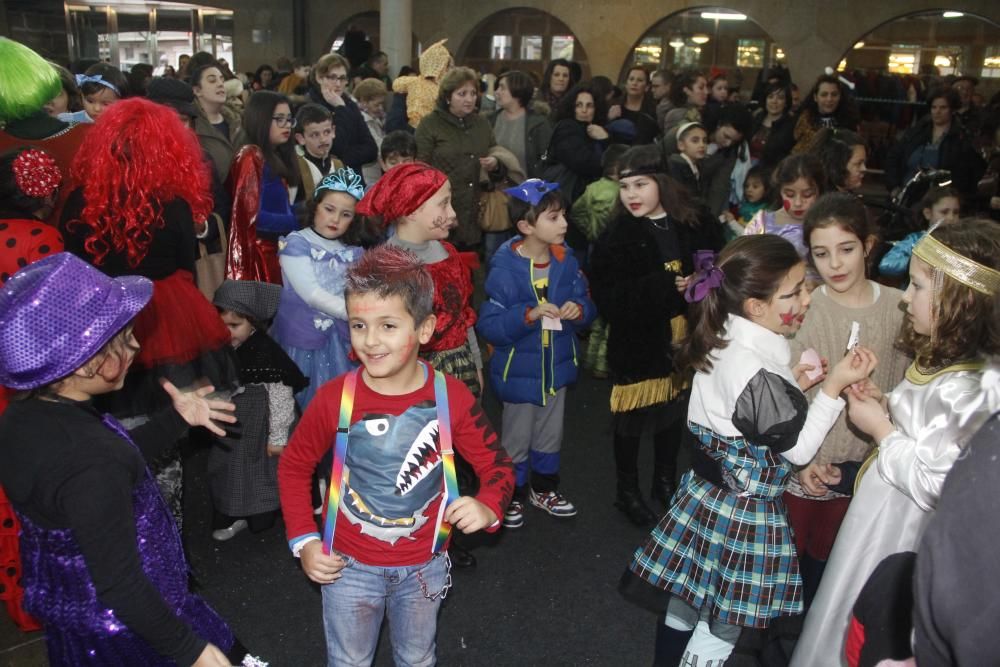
x=700, y=39
x=952, y=15
x=724, y=16
x=676, y=42
x=859, y=45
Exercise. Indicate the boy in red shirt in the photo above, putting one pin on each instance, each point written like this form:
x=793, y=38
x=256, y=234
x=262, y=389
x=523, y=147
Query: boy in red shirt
x=396, y=490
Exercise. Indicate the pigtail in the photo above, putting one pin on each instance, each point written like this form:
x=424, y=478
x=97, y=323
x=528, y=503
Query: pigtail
x=709, y=316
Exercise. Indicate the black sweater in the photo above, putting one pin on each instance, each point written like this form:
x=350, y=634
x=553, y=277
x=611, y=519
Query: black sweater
x=62, y=468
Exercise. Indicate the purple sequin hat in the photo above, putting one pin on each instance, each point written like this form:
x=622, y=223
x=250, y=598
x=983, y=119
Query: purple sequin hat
x=57, y=313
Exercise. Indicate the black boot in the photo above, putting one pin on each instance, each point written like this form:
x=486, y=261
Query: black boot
x=630, y=502
x=459, y=555
x=662, y=489
x=665, y=446
x=670, y=645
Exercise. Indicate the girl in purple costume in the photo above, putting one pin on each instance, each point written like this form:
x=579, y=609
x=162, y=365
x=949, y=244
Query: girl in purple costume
x=311, y=324
x=104, y=570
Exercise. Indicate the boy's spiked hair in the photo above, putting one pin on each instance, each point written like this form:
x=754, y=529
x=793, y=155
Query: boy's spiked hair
x=391, y=271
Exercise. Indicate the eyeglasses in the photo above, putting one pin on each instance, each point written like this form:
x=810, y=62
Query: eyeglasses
x=284, y=121
x=333, y=77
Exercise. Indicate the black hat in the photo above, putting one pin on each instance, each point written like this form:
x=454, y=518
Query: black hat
x=173, y=93
x=256, y=300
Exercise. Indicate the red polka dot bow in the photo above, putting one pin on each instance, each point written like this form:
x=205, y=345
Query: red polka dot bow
x=36, y=173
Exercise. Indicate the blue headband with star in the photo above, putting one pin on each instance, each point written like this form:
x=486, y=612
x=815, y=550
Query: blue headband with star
x=344, y=179
x=532, y=190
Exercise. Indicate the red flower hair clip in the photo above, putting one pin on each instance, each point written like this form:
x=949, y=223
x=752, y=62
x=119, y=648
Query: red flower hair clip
x=36, y=173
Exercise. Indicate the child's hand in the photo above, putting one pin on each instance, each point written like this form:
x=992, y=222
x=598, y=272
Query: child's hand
x=868, y=415
x=274, y=450
x=868, y=388
x=212, y=656
x=547, y=309
x=469, y=515
x=681, y=283
x=727, y=216
x=570, y=311
x=197, y=410
x=816, y=477
x=856, y=366
x=318, y=566
x=805, y=383
x=489, y=163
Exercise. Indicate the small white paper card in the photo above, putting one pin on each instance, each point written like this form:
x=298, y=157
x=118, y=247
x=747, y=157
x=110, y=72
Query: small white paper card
x=855, y=337
x=551, y=323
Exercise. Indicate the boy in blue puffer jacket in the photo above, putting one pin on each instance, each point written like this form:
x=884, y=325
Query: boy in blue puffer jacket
x=537, y=300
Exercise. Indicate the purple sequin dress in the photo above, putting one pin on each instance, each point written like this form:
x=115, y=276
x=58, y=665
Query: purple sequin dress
x=60, y=593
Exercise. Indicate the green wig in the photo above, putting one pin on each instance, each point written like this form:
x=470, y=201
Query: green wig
x=27, y=81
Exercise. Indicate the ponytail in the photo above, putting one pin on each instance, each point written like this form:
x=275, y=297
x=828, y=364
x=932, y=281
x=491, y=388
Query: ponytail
x=754, y=267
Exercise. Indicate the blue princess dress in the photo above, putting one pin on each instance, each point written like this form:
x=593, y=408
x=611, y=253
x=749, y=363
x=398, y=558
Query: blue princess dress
x=311, y=324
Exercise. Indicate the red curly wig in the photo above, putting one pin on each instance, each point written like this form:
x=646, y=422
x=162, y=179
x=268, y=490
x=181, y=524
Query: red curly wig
x=138, y=157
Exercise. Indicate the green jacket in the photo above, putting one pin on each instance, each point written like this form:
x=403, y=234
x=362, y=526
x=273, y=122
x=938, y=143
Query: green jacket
x=454, y=145
x=592, y=211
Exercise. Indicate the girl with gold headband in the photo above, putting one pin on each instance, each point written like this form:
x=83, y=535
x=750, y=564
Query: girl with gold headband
x=921, y=427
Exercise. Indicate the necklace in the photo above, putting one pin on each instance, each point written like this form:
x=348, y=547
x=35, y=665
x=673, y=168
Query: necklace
x=660, y=223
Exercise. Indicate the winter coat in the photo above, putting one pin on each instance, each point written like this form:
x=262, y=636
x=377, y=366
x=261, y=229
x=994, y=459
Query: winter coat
x=954, y=154
x=537, y=134
x=573, y=148
x=454, y=145
x=521, y=369
x=220, y=149
x=636, y=294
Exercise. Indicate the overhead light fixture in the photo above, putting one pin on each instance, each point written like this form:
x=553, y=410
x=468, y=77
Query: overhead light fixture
x=724, y=16
x=676, y=42
x=859, y=45
x=700, y=39
x=953, y=15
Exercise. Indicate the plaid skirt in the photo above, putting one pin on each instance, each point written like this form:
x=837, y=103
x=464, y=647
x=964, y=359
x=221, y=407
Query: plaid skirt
x=731, y=550
x=459, y=363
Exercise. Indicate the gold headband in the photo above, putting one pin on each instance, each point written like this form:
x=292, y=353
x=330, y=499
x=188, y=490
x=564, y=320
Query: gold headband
x=966, y=271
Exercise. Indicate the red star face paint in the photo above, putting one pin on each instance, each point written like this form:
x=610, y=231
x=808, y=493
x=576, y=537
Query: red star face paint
x=788, y=318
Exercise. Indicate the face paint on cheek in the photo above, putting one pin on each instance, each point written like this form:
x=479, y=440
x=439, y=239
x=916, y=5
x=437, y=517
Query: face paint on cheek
x=788, y=318
x=787, y=204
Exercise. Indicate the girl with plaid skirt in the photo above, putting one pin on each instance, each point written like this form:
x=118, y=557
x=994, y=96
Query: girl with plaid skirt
x=722, y=559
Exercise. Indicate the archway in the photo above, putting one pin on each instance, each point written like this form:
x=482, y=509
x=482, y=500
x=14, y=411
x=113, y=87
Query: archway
x=520, y=38
x=368, y=24
x=930, y=43
x=708, y=38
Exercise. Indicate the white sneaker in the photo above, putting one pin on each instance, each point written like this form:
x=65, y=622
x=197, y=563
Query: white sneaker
x=223, y=534
x=552, y=502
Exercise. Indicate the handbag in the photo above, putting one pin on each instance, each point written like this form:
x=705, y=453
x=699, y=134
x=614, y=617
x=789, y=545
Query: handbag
x=210, y=268
x=493, y=214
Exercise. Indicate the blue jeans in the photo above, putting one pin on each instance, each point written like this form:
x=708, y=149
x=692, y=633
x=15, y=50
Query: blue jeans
x=355, y=604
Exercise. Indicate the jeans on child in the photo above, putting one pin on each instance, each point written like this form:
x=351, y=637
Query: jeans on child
x=355, y=604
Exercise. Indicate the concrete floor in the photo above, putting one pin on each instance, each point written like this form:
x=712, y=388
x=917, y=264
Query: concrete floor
x=542, y=594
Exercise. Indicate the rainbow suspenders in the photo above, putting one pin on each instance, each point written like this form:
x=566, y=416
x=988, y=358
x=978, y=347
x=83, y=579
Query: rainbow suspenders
x=336, y=490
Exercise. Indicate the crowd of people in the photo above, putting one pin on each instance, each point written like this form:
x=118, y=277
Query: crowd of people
x=342, y=265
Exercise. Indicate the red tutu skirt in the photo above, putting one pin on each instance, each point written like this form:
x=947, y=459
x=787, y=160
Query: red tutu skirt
x=178, y=325
x=11, y=592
